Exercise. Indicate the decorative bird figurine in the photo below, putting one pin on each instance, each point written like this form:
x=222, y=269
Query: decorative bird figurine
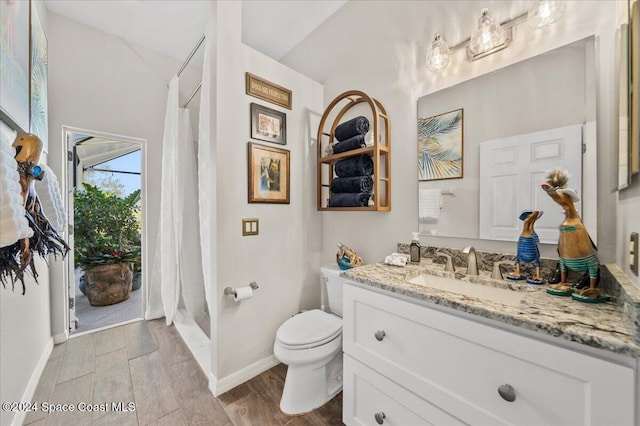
x=575, y=247
x=347, y=258
x=528, y=248
x=17, y=256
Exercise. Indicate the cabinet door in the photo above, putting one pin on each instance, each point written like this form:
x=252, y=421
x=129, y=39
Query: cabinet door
x=370, y=398
x=459, y=366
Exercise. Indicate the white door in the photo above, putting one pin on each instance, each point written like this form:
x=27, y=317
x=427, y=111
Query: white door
x=511, y=172
x=71, y=157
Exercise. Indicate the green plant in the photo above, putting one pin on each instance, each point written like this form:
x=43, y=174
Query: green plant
x=106, y=227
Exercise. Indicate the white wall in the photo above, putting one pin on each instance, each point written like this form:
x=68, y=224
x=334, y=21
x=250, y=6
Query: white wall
x=379, y=47
x=285, y=258
x=25, y=338
x=25, y=326
x=628, y=222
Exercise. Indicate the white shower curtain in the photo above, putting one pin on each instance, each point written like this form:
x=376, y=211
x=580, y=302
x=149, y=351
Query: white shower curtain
x=187, y=221
x=207, y=175
x=165, y=264
x=182, y=263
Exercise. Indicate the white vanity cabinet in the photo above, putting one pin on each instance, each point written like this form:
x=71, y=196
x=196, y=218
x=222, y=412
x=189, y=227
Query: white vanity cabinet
x=408, y=364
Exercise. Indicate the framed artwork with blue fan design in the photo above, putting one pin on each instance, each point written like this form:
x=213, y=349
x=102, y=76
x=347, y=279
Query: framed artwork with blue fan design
x=440, y=146
x=39, y=75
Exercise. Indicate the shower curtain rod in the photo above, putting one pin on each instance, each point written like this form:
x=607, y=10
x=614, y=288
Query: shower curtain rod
x=184, y=65
x=193, y=52
x=196, y=90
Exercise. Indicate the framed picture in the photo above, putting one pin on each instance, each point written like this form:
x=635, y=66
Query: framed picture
x=14, y=64
x=440, y=146
x=269, y=174
x=268, y=124
x=268, y=91
x=39, y=72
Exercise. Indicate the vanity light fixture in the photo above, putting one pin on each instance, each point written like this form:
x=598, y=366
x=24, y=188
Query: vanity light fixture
x=487, y=37
x=438, y=54
x=546, y=12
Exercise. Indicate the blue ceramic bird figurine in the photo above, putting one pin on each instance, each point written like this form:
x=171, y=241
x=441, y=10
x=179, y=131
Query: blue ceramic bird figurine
x=528, y=251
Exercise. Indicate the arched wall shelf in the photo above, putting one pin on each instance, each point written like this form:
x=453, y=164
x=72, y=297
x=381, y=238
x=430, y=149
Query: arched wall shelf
x=380, y=151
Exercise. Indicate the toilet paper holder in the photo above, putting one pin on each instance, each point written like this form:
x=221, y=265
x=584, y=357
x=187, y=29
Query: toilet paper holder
x=231, y=291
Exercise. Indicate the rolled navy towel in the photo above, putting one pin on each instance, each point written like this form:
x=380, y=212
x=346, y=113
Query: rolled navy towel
x=349, y=200
x=352, y=184
x=361, y=165
x=355, y=126
x=352, y=143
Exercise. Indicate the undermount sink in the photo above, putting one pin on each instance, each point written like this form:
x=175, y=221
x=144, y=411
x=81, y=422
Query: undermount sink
x=478, y=291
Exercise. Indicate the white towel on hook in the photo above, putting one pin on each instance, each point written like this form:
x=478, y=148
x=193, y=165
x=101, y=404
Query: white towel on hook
x=430, y=203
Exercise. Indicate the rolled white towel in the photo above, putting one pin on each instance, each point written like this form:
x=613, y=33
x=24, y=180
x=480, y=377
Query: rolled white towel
x=14, y=225
x=50, y=197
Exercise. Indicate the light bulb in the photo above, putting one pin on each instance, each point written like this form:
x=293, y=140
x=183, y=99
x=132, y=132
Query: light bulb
x=546, y=12
x=486, y=35
x=438, y=54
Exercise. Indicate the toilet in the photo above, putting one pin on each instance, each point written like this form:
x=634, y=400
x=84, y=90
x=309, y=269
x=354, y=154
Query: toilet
x=310, y=343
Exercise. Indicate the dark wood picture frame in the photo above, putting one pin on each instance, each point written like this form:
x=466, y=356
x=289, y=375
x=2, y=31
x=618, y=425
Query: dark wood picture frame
x=268, y=91
x=268, y=124
x=269, y=174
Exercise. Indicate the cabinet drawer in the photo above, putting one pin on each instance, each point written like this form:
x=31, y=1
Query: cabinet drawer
x=458, y=365
x=368, y=394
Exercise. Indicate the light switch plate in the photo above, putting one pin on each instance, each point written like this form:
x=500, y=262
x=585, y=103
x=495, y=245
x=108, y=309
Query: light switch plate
x=250, y=226
x=633, y=253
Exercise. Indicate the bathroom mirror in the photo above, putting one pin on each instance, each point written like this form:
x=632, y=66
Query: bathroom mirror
x=628, y=104
x=551, y=91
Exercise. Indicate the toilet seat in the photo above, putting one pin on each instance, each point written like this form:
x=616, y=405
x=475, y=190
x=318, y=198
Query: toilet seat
x=308, y=330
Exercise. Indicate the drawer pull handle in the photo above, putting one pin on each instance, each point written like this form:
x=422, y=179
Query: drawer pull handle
x=379, y=336
x=507, y=392
x=379, y=417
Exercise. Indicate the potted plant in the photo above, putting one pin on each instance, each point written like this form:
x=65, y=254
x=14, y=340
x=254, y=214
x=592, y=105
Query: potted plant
x=106, y=243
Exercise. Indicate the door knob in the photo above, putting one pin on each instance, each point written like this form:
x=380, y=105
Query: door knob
x=507, y=392
x=379, y=417
x=379, y=336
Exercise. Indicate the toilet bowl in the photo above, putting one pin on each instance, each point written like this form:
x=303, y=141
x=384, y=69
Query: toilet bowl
x=310, y=344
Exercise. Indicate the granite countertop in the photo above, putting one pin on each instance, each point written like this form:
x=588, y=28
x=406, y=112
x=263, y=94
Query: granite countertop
x=613, y=326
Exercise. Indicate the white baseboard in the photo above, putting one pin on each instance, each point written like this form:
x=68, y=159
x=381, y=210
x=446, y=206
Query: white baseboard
x=195, y=339
x=30, y=390
x=220, y=386
x=60, y=338
x=151, y=315
x=200, y=346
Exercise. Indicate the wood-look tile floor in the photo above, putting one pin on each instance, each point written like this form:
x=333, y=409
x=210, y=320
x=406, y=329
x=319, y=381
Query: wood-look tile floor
x=148, y=364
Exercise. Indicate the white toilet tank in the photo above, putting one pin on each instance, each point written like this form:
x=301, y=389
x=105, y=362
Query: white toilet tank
x=331, y=277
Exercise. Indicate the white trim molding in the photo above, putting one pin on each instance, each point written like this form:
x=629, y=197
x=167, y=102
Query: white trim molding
x=30, y=390
x=220, y=386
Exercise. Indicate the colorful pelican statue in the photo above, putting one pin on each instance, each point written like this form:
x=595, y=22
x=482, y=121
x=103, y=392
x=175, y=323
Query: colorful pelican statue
x=575, y=247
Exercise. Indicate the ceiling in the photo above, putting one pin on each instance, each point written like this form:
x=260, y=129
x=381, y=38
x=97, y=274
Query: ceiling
x=173, y=27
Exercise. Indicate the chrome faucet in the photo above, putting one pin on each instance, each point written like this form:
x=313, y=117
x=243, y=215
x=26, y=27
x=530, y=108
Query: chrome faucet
x=449, y=267
x=472, y=264
x=496, y=274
